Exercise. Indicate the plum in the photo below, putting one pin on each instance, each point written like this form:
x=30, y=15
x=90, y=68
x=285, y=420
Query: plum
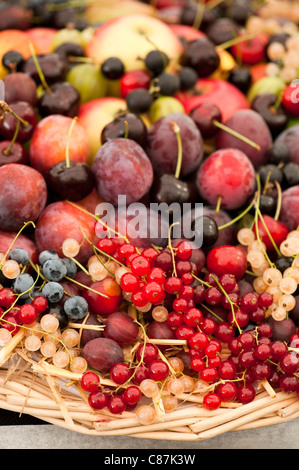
x=290, y=138
x=289, y=213
x=250, y=124
x=23, y=195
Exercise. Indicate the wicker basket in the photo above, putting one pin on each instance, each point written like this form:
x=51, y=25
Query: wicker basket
x=37, y=388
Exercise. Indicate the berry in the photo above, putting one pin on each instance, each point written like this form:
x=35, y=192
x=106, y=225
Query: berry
x=90, y=382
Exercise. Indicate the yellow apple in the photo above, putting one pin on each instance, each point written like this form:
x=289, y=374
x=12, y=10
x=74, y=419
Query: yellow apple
x=130, y=38
x=97, y=12
x=94, y=116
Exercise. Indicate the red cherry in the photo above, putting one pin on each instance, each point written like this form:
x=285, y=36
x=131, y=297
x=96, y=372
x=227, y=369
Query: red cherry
x=251, y=52
x=290, y=101
x=227, y=260
x=278, y=231
x=132, y=80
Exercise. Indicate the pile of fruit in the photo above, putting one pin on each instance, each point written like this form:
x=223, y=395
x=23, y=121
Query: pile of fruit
x=166, y=102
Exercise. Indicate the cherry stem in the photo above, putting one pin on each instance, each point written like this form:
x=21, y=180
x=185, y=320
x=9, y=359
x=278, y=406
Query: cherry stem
x=39, y=70
x=127, y=130
x=240, y=216
x=218, y=204
x=279, y=200
x=7, y=109
x=180, y=149
x=236, y=134
x=67, y=150
x=8, y=150
x=199, y=14
x=235, y=41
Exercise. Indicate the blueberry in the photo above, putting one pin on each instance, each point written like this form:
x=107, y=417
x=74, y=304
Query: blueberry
x=54, y=270
x=46, y=255
x=53, y=291
x=76, y=307
x=20, y=255
x=71, y=267
x=23, y=283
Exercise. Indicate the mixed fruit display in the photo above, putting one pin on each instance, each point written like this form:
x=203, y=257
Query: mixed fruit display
x=161, y=102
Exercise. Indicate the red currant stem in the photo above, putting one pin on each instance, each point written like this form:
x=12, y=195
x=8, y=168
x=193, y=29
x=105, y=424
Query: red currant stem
x=211, y=311
x=201, y=281
x=14, y=240
x=103, y=252
x=8, y=149
x=177, y=132
x=39, y=70
x=87, y=287
x=213, y=3
x=232, y=304
x=235, y=41
x=251, y=273
x=103, y=264
x=236, y=134
x=240, y=216
x=279, y=200
x=67, y=149
x=80, y=266
x=218, y=204
x=171, y=248
x=20, y=295
x=127, y=130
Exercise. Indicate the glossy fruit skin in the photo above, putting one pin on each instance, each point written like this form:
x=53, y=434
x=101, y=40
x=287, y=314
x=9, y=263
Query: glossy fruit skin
x=290, y=100
x=162, y=147
x=100, y=305
x=227, y=173
x=201, y=55
x=121, y=167
x=89, y=334
x=59, y=221
x=227, y=260
x=278, y=231
x=17, y=153
x=289, y=207
x=73, y=182
x=102, y=353
x=49, y=140
x=20, y=87
x=63, y=99
x=121, y=328
x=117, y=129
x=26, y=204
x=9, y=123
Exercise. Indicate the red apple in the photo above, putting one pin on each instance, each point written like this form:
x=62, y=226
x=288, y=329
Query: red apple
x=130, y=38
x=218, y=92
x=49, y=143
x=186, y=32
x=61, y=220
x=41, y=39
x=94, y=116
x=23, y=195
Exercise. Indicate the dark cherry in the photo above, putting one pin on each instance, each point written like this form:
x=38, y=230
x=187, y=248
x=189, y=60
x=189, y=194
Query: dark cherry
x=203, y=116
x=283, y=262
x=62, y=98
x=278, y=153
x=167, y=83
x=188, y=78
x=15, y=17
x=139, y=101
x=207, y=228
x=239, y=11
x=52, y=67
x=170, y=189
x=201, y=55
x=12, y=61
x=72, y=182
x=270, y=173
x=20, y=87
x=222, y=30
x=117, y=128
x=267, y=204
x=274, y=116
x=15, y=153
x=68, y=50
x=291, y=174
x=8, y=124
x=241, y=78
x=189, y=14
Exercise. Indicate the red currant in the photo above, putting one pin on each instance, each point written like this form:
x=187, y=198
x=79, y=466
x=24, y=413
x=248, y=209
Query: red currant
x=153, y=292
x=90, y=381
x=246, y=393
x=184, y=250
x=140, y=266
x=106, y=245
x=193, y=317
x=97, y=399
x=147, y=352
x=198, y=341
x=40, y=304
x=120, y=373
x=129, y=282
x=27, y=314
x=227, y=391
x=158, y=370
x=7, y=297
x=211, y=401
x=116, y=404
x=132, y=395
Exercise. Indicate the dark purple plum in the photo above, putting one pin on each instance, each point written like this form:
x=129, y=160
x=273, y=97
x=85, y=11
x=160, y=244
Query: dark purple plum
x=290, y=138
x=289, y=213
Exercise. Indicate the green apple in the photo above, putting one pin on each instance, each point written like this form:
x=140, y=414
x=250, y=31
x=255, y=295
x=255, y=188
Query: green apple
x=164, y=105
x=273, y=85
